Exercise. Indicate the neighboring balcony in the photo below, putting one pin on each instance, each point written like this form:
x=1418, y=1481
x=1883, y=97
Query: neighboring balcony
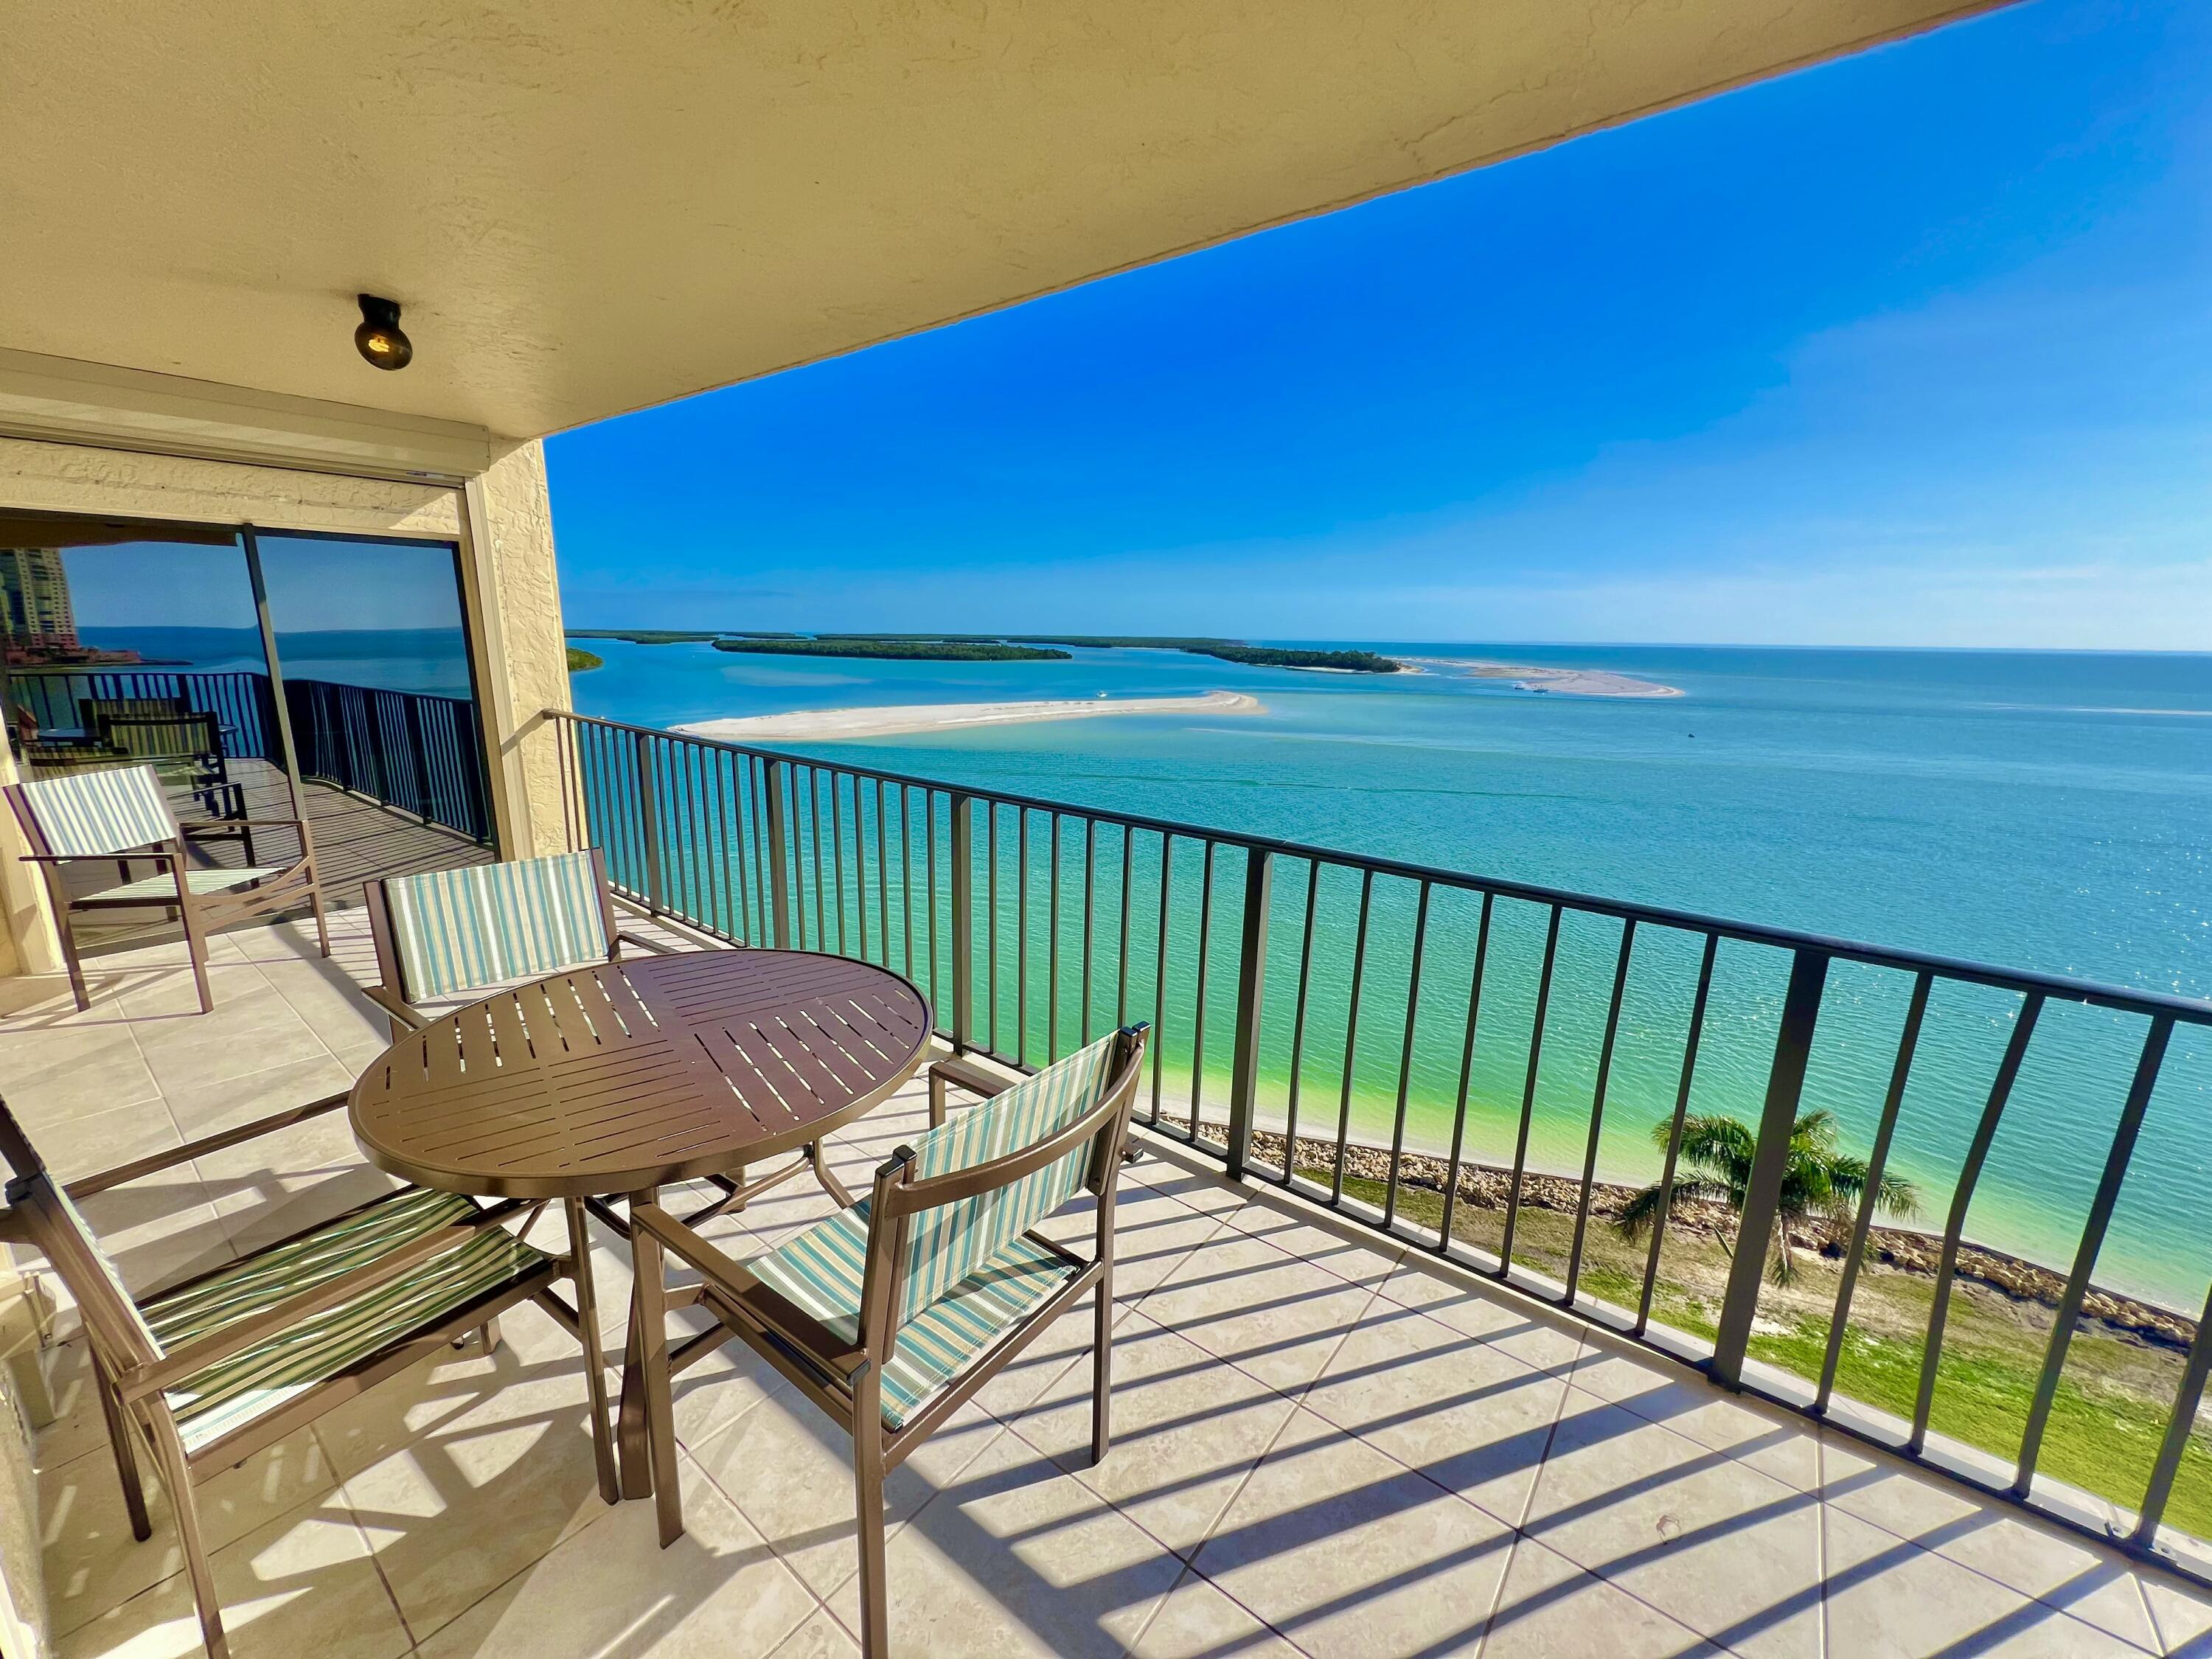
x=1335, y=1433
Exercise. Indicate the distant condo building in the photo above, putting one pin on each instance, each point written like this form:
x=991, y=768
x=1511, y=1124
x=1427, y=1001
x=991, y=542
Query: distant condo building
x=36, y=616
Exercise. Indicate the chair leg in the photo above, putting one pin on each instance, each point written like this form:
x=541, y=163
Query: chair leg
x=70, y=960
x=126, y=1458
x=183, y=1504
x=196, y=947
x=936, y=1101
x=1101, y=1370
x=322, y=921
x=868, y=1504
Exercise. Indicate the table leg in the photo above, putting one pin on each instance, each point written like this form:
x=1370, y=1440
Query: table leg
x=823, y=1173
x=636, y=1454
x=587, y=1329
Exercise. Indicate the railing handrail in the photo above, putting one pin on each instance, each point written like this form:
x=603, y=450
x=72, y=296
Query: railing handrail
x=2095, y=993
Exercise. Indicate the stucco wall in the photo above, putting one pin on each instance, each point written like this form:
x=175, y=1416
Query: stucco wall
x=523, y=663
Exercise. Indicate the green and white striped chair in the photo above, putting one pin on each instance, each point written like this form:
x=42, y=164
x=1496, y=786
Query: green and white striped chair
x=120, y=816
x=206, y=1374
x=451, y=933
x=891, y=1314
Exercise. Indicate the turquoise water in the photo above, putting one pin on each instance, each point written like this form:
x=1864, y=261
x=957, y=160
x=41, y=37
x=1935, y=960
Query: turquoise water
x=2038, y=811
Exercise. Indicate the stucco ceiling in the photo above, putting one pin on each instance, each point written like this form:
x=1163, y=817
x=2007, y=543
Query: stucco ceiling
x=587, y=208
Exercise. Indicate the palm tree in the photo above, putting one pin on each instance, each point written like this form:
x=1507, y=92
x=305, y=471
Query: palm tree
x=1821, y=1185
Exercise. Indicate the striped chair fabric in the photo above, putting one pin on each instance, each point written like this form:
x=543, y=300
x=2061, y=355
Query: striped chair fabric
x=116, y=810
x=198, y=881
x=821, y=1270
x=462, y=930
x=233, y=1392
x=969, y=1273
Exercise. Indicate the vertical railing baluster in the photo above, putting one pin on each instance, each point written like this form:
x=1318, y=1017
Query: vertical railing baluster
x=1251, y=988
x=991, y=922
x=2187, y=1400
x=906, y=872
x=1877, y=1165
x=929, y=848
x=648, y=812
x=1090, y=917
x=1529, y=1095
x=1778, y=1123
x=963, y=923
x=1970, y=1174
x=1674, y=1131
x=1122, y=947
x=1352, y=1036
x=882, y=877
x=779, y=886
x=814, y=825
x=1298, y=1022
x=1406, y=1060
x=1198, y=1001
x=2092, y=1239
x=1597, y=1111
x=1159, y=1044
x=1465, y=1075
x=1052, y=952
x=837, y=850
x=1021, y=935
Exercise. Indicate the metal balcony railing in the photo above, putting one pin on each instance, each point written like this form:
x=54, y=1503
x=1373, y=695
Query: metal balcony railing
x=410, y=750
x=1034, y=925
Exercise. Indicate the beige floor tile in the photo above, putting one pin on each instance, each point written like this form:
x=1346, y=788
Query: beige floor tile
x=1890, y=1599
x=302, y=1584
x=718, y=1589
x=78, y=1426
x=1197, y=1621
x=1994, y=1540
x=1708, y=1541
x=1552, y=1609
x=820, y=1638
x=276, y=1185
x=1019, y=1558
x=1468, y=1415
x=1186, y=1430
x=158, y=1231
x=291, y=1075
x=1244, y=1300
x=489, y=1477
x=92, y=1564
x=2181, y=1614
x=1361, y=1262
x=788, y=1469
x=1773, y=1441
x=1347, y=1553
x=251, y=1028
x=329, y=1000
x=1152, y=1234
x=1537, y=1340
x=1209, y=1193
x=92, y=1141
x=50, y=1078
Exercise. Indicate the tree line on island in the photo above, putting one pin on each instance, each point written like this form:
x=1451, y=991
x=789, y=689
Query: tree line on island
x=984, y=647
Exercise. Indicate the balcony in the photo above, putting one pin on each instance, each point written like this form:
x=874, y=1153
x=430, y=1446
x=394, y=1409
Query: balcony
x=1329, y=1439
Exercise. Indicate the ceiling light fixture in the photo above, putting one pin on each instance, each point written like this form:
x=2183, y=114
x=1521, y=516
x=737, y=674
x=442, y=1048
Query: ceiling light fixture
x=379, y=339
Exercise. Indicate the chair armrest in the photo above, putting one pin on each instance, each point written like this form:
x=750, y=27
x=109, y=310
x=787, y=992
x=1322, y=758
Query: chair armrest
x=643, y=944
x=94, y=858
x=389, y=999
x=234, y=826
x=180, y=1363
x=786, y=1319
x=966, y=1074
x=88, y=1185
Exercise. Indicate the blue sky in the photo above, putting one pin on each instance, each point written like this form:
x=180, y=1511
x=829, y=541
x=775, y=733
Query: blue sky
x=1913, y=348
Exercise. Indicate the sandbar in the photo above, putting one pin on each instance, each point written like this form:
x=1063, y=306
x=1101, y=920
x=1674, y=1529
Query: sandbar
x=1565, y=682
x=814, y=725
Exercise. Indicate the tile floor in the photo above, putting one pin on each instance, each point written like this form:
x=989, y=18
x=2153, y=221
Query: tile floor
x=1320, y=1447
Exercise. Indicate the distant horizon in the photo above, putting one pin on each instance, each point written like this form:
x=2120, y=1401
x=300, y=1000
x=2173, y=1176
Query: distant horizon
x=1911, y=350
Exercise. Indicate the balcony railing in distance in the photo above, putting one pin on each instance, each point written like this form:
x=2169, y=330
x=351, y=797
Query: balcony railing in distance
x=1034, y=925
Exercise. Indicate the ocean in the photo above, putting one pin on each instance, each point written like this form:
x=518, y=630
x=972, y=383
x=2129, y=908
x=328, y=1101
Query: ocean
x=2045, y=810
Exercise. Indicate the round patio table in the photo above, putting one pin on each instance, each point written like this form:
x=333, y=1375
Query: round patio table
x=630, y=1075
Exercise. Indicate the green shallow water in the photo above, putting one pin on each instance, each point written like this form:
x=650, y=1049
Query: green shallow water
x=2041, y=811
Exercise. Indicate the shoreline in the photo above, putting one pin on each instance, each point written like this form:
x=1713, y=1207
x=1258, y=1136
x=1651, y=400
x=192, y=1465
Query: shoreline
x=820, y=724
x=1527, y=677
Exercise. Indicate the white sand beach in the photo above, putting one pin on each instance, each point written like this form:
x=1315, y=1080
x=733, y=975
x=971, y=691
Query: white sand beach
x=1565, y=682
x=815, y=725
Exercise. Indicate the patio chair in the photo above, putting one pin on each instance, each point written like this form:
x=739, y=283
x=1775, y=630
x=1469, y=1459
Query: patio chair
x=186, y=752
x=208, y=1373
x=889, y=1315
x=120, y=816
x=91, y=711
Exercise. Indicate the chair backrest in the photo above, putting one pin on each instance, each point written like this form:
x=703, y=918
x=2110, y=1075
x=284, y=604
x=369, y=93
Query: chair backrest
x=454, y=931
x=117, y=809
x=946, y=1242
x=163, y=737
x=58, y=1227
x=93, y=710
